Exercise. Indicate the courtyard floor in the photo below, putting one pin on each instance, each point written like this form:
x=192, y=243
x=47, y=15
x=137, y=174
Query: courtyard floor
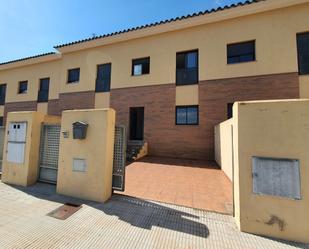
x=190, y=183
x=122, y=222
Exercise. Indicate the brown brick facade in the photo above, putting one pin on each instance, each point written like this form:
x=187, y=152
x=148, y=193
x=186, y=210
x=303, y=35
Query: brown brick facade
x=70, y=101
x=215, y=94
x=163, y=136
x=167, y=139
x=19, y=106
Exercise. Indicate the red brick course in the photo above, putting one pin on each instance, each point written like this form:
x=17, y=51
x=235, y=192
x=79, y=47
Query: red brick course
x=70, y=101
x=197, y=142
x=18, y=107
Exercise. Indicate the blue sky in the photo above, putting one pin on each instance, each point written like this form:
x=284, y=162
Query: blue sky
x=30, y=27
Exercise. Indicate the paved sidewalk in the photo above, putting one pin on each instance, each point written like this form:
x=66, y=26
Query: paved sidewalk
x=191, y=183
x=122, y=222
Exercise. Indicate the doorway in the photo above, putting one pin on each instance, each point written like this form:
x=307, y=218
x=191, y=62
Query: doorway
x=136, y=123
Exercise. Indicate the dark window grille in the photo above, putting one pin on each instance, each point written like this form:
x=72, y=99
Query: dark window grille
x=141, y=66
x=23, y=87
x=187, y=115
x=103, y=80
x=303, y=53
x=241, y=52
x=73, y=75
x=44, y=90
x=187, y=68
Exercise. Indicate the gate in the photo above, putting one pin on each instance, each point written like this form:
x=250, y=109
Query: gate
x=49, y=151
x=119, y=158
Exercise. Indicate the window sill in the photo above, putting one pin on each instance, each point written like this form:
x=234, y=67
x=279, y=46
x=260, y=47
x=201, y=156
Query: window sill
x=186, y=124
x=244, y=62
x=73, y=82
x=132, y=75
x=21, y=93
x=186, y=84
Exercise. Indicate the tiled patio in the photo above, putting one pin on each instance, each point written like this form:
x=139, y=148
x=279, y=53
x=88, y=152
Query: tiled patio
x=191, y=183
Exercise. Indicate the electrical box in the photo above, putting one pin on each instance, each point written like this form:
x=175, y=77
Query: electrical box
x=16, y=142
x=276, y=177
x=79, y=130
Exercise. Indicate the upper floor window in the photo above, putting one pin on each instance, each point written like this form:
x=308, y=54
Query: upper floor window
x=103, y=80
x=303, y=53
x=187, y=115
x=44, y=90
x=2, y=93
x=1, y=121
x=187, y=68
x=140, y=66
x=73, y=75
x=241, y=52
x=23, y=87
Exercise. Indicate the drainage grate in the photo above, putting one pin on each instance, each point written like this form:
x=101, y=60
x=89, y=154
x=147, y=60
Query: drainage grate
x=65, y=211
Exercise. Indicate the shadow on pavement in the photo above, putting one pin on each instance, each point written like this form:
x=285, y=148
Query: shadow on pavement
x=137, y=212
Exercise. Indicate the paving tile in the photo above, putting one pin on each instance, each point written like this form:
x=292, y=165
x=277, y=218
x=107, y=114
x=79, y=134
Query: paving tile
x=122, y=222
x=164, y=179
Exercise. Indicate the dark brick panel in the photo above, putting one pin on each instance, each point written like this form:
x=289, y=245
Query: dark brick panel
x=18, y=107
x=167, y=139
x=71, y=101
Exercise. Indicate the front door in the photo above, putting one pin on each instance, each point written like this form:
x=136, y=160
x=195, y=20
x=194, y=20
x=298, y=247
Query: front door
x=136, y=123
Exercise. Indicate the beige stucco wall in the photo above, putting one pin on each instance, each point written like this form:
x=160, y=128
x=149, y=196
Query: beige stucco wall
x=304, y=86
x=97, y=149
x=102, y=100
x=32, y=73
x=187, y=95
x=223, y=147
x=276, y=129
x=24, y=174
x=273, y=31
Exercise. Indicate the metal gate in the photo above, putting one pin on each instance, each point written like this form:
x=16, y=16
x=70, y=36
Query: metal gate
x=49, y=151
x=119, y=158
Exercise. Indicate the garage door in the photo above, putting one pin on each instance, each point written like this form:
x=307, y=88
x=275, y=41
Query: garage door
x=49, y=151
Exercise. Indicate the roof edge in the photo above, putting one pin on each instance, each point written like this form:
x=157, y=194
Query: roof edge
x=30, y=60
x=227, y=12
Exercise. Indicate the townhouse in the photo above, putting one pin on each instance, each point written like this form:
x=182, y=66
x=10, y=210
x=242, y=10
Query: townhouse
x=171, y=82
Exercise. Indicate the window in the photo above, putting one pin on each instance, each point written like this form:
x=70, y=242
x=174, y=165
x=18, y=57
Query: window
x=2, y=93
x=140, y=66
x=241, y=52
x=187, y=68
x=186, y=115
x=303, y=53
x=230, y=110
x=103, y=80
x=73, y=75
x=43, y=91
x=23, y=86
x=1, y=121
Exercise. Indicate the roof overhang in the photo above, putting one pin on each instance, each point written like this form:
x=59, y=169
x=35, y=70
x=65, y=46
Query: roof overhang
x=250, y=9
x=30, y=61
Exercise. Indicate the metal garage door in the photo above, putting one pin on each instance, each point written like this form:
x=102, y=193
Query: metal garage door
x=49, y=151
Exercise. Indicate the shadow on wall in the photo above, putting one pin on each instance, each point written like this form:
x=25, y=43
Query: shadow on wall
x=137, y=212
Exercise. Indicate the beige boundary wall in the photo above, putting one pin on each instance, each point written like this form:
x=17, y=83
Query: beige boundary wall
x=94, y=181
x=271, y=129
x=223, y=147
x=26, y=173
